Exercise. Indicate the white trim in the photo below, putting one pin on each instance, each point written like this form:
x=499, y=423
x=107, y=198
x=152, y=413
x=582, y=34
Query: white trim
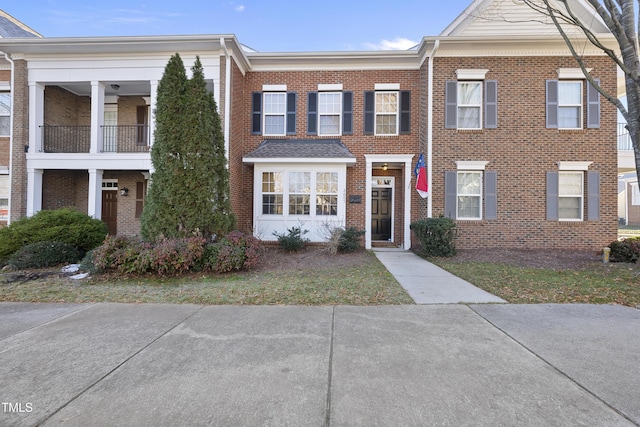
x=376, y=114
x=574, y=166
x=407, y=159
x=572, y=73
x=572, y=196
x=330, y=87
x=5, y=86
x=339, y=114
x=472, y=165
x=4, y=170
x=471, y=74
x=290, y=160
x=392, y=186
x=480, y=195
x=111, y=99
x=387, y=86
x=274, y=88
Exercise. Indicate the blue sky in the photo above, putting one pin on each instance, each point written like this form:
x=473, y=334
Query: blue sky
x=274, y=25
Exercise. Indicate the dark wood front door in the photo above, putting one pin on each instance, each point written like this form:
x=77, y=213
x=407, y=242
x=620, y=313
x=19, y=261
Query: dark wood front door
x=110, y=210
x=381, y=214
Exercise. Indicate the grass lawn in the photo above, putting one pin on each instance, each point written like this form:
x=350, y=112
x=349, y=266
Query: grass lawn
x=366, y=283
x=612, y=283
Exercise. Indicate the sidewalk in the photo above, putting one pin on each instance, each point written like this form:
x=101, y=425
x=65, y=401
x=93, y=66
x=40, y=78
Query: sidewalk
x=429, y=284
x=412, y=365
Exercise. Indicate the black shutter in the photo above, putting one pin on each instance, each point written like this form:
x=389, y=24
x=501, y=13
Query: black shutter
x=405, y=112
x=291, y=113
x=369, y=112
x=256, y=113
x=347, y=113
x=312, y=113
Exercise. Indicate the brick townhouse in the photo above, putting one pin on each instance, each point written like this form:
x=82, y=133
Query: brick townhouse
x=519, y=148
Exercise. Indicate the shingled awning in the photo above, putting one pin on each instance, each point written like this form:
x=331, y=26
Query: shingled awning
x=300, y=151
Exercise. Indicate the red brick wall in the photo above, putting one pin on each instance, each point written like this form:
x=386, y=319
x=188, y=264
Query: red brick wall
x=303, y=82
x=20, y=141
x=522, y=150
x=633, y=210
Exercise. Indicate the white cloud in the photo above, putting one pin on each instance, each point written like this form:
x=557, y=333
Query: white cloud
x=239, y=8
x=399, y=43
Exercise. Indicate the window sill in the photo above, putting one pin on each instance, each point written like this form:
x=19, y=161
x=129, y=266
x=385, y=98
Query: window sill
x=571, y=130
x=470, y=130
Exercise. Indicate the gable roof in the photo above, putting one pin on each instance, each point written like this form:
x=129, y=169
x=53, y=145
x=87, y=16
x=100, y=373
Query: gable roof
x=515, y=18
x=10, y=27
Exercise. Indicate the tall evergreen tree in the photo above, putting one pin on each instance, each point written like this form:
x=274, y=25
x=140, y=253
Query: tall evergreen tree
x=189, y=190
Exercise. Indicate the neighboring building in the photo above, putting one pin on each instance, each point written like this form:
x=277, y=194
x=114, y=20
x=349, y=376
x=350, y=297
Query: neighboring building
x=519, y=149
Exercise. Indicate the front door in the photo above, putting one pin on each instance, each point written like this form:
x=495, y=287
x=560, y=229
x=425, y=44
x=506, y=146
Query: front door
x=381, y=214
x=110, y=210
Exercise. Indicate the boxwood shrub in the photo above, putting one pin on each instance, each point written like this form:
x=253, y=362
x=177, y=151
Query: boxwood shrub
x=44, y=254
x=65, y=225
x=437, y=236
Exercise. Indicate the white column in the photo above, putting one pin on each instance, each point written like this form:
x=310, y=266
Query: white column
x=36, y=116
x=152, y=107
x=367, y=205
x=407, y=205
x=34, y=191
x=95, y=193
x=97, y=116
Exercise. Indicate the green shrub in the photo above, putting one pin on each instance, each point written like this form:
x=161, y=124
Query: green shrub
x=44, y=254
x=63, y=225
x=437, y=236
x=292, y=241
x=343, y=240
x=236, y=251
x=625, y=250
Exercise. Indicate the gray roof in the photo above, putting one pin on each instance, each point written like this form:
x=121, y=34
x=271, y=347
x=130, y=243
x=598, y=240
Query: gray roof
x=9, y=27
x=301, y=148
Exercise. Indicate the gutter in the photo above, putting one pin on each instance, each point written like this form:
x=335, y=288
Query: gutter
x=432, y=54
x=8, y=58
x=227, y=99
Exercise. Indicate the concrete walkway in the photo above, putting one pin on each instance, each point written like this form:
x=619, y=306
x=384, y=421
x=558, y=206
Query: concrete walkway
x=429, y=284
x=414, y=365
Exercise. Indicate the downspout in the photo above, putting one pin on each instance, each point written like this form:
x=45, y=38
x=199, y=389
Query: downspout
x=227, y=98
x=8, y=58
x=432, y=54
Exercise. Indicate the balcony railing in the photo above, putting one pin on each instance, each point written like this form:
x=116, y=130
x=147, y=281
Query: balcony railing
x=77, y=139
x=624, y=139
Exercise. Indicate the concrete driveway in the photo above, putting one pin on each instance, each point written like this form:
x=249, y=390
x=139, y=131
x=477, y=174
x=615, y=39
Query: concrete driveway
x=450, y=365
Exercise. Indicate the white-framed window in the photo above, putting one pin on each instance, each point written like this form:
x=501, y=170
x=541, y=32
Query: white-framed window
x=327, y=193
x=570, y=195
x=570, y=104
x=300, y=193
x=386, y=113
x=275, y=110
x=469, y=195
x=272, y=193
x=330, y=113
x=469, y=105
x=635, y=194
x=5, y=113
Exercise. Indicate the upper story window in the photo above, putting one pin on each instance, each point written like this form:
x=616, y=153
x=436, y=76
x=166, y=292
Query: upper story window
x=273, y=111
x=566, y=101
x=387, y=111
x=471, y=101
x=5, y=113
x=330, y=111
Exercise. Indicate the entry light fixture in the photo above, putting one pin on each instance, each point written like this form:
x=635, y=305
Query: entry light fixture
x=385, y=167
x=115, y=87
x=124, y=191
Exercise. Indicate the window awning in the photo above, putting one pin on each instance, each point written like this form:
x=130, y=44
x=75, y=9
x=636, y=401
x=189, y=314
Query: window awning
x=300, y=151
